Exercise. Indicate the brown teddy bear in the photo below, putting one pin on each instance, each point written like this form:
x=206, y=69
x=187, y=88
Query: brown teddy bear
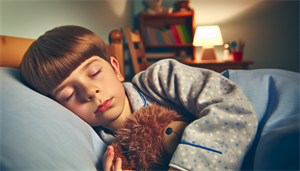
x=149, y=138
x=154, y=7
x=182, y=6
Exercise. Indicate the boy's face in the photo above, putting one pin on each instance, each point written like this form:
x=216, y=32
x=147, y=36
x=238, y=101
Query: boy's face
x=94, y=92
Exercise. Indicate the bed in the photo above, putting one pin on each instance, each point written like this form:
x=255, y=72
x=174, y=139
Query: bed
x=39, y=134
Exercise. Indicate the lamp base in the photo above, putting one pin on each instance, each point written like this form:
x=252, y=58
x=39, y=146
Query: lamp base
x=208, y=54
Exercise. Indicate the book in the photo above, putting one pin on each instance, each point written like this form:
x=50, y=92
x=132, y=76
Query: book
x=148, y=31
x=148, y=40
x=164, y=37
x=160, y=55
x=180, y=33
x=164, y=30
x=170, y=36
x=152, y=36
x=158, y=37
x=175, y=34
x=187, y=34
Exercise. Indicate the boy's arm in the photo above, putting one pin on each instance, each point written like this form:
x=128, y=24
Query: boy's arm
x=227, y=122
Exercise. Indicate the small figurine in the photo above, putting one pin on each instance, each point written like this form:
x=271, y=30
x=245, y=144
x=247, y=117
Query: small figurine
x=154, y=7
x=227, y=56
x=182, y=6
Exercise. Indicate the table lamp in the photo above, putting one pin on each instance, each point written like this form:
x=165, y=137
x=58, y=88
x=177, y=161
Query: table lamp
x=208, y=37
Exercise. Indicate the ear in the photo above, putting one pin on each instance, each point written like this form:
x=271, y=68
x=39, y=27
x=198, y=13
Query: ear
x=114, y=62
x=172, y=136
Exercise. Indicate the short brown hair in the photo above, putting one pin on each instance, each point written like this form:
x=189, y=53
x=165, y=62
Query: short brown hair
x=53, y=56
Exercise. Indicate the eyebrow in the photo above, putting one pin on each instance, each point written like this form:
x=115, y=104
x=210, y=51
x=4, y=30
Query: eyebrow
x=84, y=68
x=89, y=63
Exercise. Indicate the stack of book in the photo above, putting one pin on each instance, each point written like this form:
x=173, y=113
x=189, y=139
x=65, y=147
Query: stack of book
x=154, y=55
x=174, y=34
x=157, y=54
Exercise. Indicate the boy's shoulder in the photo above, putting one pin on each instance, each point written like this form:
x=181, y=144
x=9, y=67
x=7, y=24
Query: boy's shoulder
x=172, y=65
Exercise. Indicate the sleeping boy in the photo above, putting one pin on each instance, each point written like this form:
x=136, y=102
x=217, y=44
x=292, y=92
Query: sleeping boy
x=70, y=64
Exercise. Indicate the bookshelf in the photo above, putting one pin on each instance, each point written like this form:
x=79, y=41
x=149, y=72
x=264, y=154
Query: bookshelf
x=163, y=23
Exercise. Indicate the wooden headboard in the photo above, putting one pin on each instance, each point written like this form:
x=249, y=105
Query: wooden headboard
x=12, y=49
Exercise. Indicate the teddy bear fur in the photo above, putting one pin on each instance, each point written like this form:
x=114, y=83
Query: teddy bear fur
x=155, y=7
x=139, y=142
x=182, y=6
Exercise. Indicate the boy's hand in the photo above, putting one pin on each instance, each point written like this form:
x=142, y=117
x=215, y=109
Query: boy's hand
x=108, y=161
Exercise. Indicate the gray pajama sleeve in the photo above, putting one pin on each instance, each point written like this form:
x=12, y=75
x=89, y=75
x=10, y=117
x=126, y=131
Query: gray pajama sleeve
x=226, y=126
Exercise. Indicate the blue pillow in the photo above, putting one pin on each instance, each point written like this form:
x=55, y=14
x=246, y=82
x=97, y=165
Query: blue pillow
x=275, y=94
x=38, y=133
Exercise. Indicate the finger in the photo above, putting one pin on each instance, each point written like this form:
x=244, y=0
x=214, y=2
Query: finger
x=110, y=149
x=118, y=166
x=108, y=165
x=108, y=160
x=106, y=154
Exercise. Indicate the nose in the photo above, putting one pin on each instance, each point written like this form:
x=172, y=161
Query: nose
x=90, y=92
x=91, y=95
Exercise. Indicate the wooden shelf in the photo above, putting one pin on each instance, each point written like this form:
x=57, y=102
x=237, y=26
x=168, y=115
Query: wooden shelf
x=165, y=20
x=169, y=46
x=173, y=15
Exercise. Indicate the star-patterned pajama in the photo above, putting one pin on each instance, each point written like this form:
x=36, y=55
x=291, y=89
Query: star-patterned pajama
x=226, y=126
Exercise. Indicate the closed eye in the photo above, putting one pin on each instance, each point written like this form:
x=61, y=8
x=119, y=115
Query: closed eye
x=96, y=73
x=68, y=98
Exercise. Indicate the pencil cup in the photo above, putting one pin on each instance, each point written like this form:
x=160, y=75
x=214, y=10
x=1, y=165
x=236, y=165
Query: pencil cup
x=237, y=56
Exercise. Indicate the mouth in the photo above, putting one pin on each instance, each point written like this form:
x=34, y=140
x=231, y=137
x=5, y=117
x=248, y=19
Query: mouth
x=105, y=105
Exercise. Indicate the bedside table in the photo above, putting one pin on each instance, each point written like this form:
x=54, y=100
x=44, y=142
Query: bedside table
x=219, y=65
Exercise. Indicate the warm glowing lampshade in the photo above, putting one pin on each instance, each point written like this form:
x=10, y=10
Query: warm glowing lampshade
x=208, y=37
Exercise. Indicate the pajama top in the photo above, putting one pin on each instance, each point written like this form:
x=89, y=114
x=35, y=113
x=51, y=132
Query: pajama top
x=226, y=126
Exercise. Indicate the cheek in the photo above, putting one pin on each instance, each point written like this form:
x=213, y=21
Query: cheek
x=80, y=110
x=118, y=89
x=113, y=84
x=114, y=88
x=85, y=113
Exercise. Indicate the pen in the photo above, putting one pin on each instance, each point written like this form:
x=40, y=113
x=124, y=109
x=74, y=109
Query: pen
x=241, y=46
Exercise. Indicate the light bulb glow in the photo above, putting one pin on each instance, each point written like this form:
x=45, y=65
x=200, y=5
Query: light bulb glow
x=208, y=36
x=207, y=33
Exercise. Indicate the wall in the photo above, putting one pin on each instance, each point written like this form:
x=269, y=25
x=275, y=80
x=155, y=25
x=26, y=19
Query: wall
x=31, y=18
x=269, y=28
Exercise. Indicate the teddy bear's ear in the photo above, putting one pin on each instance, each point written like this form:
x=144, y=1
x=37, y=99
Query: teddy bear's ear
x=172, y=136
